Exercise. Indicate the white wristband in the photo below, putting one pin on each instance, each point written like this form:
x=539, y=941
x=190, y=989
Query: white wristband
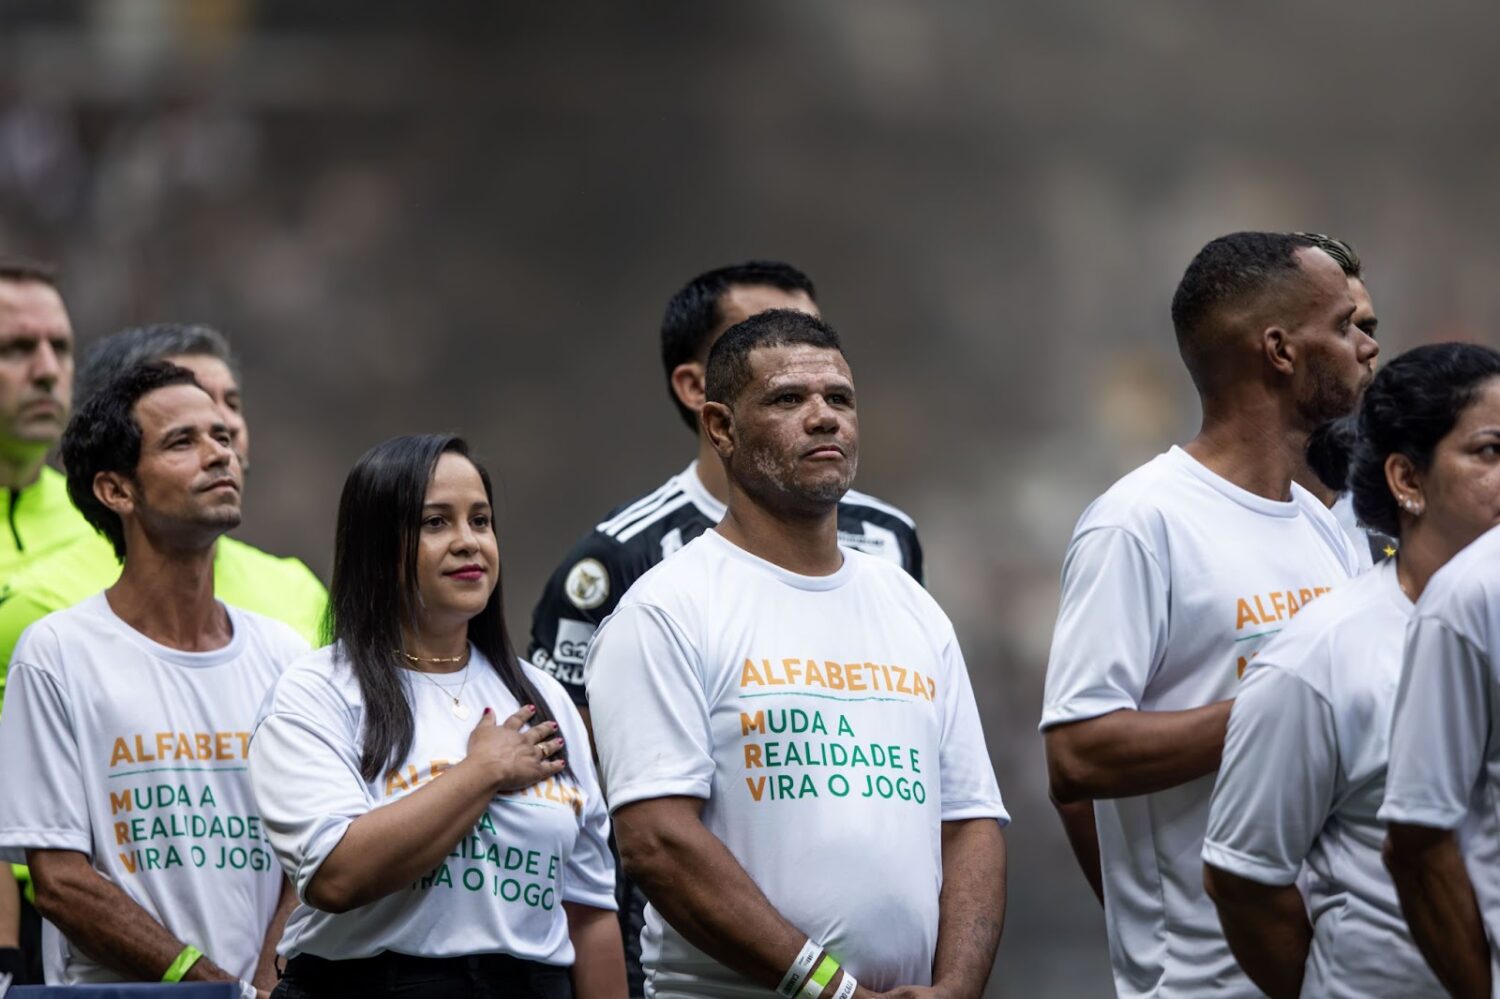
x=800, y=969
x=248, y=991
x=814, y=986
x=846, y=987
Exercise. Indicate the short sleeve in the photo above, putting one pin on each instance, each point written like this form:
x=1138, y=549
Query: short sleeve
x=47, y=810
x=968, y=778
x=650, y=712
x=1277, y=781
x=590, y=875
x=1111, y=628
x=304, y=771
x=1439, y=728
x=580, y=594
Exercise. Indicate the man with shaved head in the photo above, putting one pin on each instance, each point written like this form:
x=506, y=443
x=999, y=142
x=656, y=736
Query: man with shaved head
x=1178, y=574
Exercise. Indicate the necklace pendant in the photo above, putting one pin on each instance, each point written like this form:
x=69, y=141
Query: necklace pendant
x=460, y=710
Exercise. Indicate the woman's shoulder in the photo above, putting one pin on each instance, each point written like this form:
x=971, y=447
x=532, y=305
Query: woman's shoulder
x=317, y=679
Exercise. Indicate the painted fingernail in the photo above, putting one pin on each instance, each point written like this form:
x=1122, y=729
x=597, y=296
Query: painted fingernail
x=530, y=707
x=486, y=711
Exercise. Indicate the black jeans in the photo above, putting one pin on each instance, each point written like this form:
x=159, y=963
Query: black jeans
x=477, y=976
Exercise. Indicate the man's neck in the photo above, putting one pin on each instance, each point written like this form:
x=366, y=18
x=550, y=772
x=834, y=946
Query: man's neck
x=808, y=546
x=711, y=471
x=1252, y=443
x=19, y=469
x=169, y=598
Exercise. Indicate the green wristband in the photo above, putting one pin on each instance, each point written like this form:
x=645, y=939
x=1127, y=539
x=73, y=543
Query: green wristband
x=180, y=966
x=821, y=976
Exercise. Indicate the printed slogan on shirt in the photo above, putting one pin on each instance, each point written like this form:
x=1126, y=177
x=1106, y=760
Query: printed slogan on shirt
x=1261, y=609
x=821, y=754
x=480, y=862
x=162, y=822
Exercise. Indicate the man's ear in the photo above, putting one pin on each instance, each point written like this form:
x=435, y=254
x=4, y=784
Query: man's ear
x=687, y=384
x=716, y=421
x=115, y=491
x=1280, y=352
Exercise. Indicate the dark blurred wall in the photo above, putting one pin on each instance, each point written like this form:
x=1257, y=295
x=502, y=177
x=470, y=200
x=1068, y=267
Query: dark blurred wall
x=444, y=216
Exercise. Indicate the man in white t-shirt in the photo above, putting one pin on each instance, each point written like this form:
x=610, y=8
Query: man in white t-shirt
x=131, y=713
x=1444, y=773
x=788, y=739
x=1174, y=579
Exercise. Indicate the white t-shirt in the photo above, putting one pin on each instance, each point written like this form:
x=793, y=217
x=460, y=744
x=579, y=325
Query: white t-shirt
x=828, y=722
x=1445, y=738
x=1303, y=777
x=134, y=754
x=1175, y=578
x=501, y=888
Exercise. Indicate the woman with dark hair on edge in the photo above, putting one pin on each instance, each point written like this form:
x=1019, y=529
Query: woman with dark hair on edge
x=489, y=882
x=1303, y=772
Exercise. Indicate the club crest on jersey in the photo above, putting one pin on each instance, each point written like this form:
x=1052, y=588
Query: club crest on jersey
x=587, y=584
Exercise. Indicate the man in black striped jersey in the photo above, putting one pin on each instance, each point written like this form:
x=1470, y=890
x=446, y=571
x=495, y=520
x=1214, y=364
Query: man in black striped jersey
x=637, y=535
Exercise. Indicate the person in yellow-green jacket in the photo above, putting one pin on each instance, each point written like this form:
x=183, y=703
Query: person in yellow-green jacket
x=36, y=389
x=244, y=576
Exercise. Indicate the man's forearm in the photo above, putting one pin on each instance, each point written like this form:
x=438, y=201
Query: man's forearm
x=1083, y=836
x=971, y=908
x=105, y=923
x=1267, y=929
x=1438, y=901
x=700, y=888
x=1126, y=753
x=10, y=908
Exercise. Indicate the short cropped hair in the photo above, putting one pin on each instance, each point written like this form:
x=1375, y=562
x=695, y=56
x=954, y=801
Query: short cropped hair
x=23, y=269
x=117, y=352
x=695, y=312
x=1228, y=272
x=729, y=361
x=1342, y=253
x=103, y=436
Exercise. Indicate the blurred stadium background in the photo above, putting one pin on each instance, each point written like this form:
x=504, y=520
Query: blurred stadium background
x=431, y=216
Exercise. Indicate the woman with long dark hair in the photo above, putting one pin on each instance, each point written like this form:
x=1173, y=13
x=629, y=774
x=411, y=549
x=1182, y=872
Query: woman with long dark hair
x=1304, y=766
x=437, y=850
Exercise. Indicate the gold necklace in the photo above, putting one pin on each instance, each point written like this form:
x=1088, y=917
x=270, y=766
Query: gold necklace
x=460, y=710
x=436, y=659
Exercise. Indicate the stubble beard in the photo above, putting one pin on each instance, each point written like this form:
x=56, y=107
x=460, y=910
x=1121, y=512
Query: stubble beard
x=1329, y=398
x=772, y=481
